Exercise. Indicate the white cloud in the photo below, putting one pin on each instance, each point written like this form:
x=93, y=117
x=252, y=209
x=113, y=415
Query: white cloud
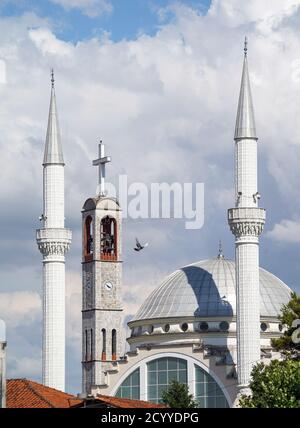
x=91, y=8
x=20, y=308
x=287, y=231
x=31, y=367
x=47, y=43
x=73, y=307
x=265, y=14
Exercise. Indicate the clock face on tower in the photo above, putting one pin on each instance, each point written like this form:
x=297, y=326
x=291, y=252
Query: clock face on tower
x=108, y=286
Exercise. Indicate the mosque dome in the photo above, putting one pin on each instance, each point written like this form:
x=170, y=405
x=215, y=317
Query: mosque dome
x=207, y=289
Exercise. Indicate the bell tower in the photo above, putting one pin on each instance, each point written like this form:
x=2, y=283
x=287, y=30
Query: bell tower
x=102, y=312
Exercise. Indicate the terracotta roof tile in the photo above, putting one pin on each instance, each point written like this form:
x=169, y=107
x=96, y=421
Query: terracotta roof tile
x=127, y=403
x=121, y=403
x=23, y=393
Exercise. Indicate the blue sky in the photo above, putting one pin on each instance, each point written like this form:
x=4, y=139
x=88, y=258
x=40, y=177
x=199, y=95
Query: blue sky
x=127, y=19
x=154, y=97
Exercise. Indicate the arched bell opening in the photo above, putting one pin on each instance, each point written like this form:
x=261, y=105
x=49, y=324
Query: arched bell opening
x=88, y=239
x=108, y=239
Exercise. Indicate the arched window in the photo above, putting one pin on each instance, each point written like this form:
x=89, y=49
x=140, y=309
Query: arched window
x=86, y=345
x=130, y=388
x=113, y=345
x=103, y=356
x=108, y=238
x=208, y=393
x=160, y=374
x=92, y=346
x=88, y=239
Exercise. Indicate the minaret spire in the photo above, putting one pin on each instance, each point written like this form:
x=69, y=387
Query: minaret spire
x=245, y=120
x=53, y=242
x=52, y=78
x=246, y=46
x=246, y=222
x=53, y=148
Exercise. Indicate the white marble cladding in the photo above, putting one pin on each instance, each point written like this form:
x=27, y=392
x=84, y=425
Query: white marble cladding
x=247, y=278
x=54, y=206
x=54, y=325
x=246, y=172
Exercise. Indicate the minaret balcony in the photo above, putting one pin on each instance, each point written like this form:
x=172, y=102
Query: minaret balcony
x=53, y=242
x=54, y=234
x=246, y=221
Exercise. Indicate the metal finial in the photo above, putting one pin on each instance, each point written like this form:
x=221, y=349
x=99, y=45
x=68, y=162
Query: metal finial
x=52, y=78
x=246, y=46
x=220, y=255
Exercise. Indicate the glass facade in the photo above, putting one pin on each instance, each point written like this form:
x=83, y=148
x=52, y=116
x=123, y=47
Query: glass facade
x=130, y=388
x=160, y=374
x=162, y=371
x=208, y=393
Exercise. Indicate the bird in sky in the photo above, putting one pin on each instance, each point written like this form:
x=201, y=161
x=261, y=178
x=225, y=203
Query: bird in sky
x=139, y=246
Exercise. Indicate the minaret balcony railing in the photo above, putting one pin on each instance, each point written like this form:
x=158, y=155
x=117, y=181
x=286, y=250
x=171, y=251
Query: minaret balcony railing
x=54, y=234
x=249, y=213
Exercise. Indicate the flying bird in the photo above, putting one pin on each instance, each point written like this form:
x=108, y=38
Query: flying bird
x=139, y=246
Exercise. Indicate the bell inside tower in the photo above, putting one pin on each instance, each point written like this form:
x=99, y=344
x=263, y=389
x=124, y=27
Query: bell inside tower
x=108, y=238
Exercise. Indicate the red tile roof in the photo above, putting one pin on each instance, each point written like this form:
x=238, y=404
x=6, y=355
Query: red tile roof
x=123, y=403
x=23, y=393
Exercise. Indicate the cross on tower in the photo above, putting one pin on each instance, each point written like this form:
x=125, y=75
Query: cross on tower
x=101, y=162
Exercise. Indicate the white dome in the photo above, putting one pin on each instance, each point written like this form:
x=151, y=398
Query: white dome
x=207, y=289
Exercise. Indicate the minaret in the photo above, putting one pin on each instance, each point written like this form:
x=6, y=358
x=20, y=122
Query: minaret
x=53, y=242
x=2, y=364
x=102, y=312
x=246, y=222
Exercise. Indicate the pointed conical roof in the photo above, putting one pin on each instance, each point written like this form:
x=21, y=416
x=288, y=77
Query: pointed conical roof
x=245, y=121
x=53, y=148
